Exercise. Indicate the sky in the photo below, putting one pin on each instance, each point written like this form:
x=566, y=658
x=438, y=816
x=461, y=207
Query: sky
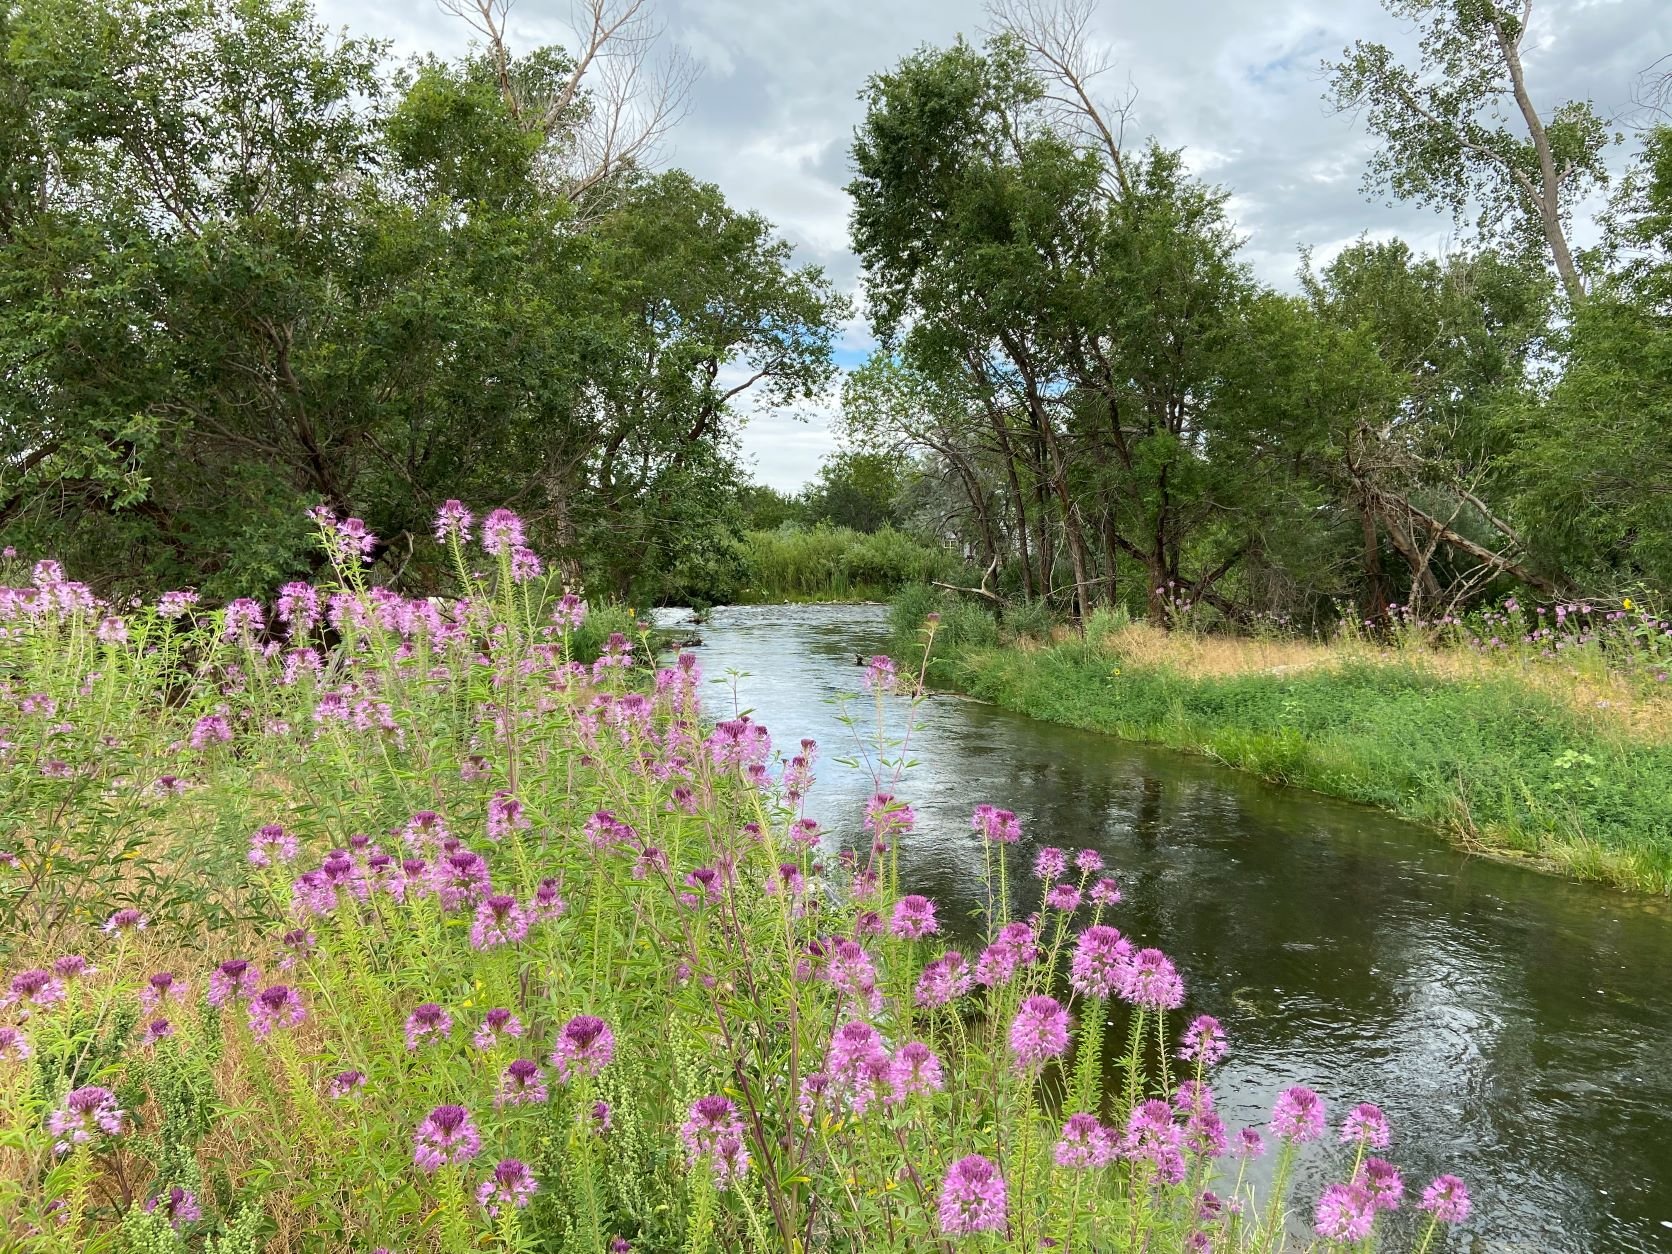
x=1236, y=84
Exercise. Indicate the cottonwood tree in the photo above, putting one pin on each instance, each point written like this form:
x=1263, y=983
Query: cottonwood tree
x=1085, y=317
x=1461, y=129
x=1427, y=357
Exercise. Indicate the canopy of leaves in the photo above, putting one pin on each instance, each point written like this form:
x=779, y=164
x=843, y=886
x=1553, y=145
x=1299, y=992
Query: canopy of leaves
x=1595, y=464
x=245, y=270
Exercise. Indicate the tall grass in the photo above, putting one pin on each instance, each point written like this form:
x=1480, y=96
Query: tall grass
x=837, y=563
x=352, y=922
x=1512, y=753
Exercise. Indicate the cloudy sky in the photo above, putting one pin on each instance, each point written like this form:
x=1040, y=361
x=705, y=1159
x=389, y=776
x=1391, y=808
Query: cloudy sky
x=1236, y=83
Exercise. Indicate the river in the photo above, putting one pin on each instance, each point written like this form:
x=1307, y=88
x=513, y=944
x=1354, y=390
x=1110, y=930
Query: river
x=1517, y=1028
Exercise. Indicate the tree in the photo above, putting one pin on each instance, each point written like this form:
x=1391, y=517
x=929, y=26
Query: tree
x=1438, y=352
x=1594, y=465
x=247, y=271
x=858, y=490
x=1445, y=134
x=765, y=508
x=1067, y=312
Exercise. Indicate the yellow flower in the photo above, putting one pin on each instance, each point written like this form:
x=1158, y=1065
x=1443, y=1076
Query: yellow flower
x=1626, y=603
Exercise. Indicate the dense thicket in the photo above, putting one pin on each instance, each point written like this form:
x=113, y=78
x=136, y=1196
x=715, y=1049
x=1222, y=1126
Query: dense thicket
x=246, y=268
x=1116, y=411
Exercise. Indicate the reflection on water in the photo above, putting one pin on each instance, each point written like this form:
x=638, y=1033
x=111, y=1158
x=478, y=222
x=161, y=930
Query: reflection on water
x=1517, y=1028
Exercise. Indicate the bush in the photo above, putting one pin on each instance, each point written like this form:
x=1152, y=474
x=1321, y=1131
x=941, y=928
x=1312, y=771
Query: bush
x=1029, y=620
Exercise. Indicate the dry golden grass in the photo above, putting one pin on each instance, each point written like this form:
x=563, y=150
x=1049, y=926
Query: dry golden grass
x=1612, y=701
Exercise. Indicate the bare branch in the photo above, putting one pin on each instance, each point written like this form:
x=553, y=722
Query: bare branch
x=619, y=99
x=1057, y=33
x=487, y=19
x=1653, y=92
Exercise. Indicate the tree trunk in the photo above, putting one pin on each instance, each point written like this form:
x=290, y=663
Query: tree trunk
x=1111, y=557
x=1156, y=594
x=559, y=494
x=1018, y=502
x=1547, y=200
x=1375, y=593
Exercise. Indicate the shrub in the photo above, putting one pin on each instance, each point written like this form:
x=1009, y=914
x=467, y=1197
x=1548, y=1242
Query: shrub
x=1029, y=620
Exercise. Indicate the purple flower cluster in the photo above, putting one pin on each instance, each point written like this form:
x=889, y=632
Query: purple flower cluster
x=36, y=987
x=272, y=844
x=995, y=825
x=1204, y=1043
x=712, y=1135
x=584, y=1048
x=914, y=917
x=1039, y=1032
x=276, y=1006
x=179, y=1206
x=511, y=1184
x=1298, y=1115
x=446, y=1136
x=943, y=980
x=1152, y=981
x=1447, y=1199
x=1155, y=1140
x=972, y=1198
x=497, y=1025
x=1016, y=946
x=521, y=1084
x=1099, y=963
x=14, y=1045
x=1345, y=1212
x=85, y=1114
x=500, y=920
x=1084, y=1143
x=1366, y=1125
x=427, y=1022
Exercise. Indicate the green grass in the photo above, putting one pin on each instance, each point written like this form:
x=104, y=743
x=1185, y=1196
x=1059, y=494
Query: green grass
x=838, y=564
x=1499, y=766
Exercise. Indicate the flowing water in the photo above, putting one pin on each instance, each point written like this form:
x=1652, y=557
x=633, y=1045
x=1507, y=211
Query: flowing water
x=1517, y=1028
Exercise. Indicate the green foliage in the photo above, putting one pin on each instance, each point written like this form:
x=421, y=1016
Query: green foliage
x=1446, y=130
x=858, y=491
x=150, y=1233
x=767, y=509
x=1068, y=330
x=588, y=641
x=833, y=563
x=1106, y=408
x=1491, y=759
x=1030, y=620
x=1594, y=466
x=945, y=625
x=265, y=273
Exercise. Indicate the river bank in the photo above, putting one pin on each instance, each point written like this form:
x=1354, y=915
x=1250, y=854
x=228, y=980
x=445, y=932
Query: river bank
x=1561, y=768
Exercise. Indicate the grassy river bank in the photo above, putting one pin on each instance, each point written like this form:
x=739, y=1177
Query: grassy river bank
x=1564, y=761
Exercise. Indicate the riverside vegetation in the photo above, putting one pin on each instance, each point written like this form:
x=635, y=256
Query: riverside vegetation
x=839, y=564
x=1537, y=731
x=353, y=921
